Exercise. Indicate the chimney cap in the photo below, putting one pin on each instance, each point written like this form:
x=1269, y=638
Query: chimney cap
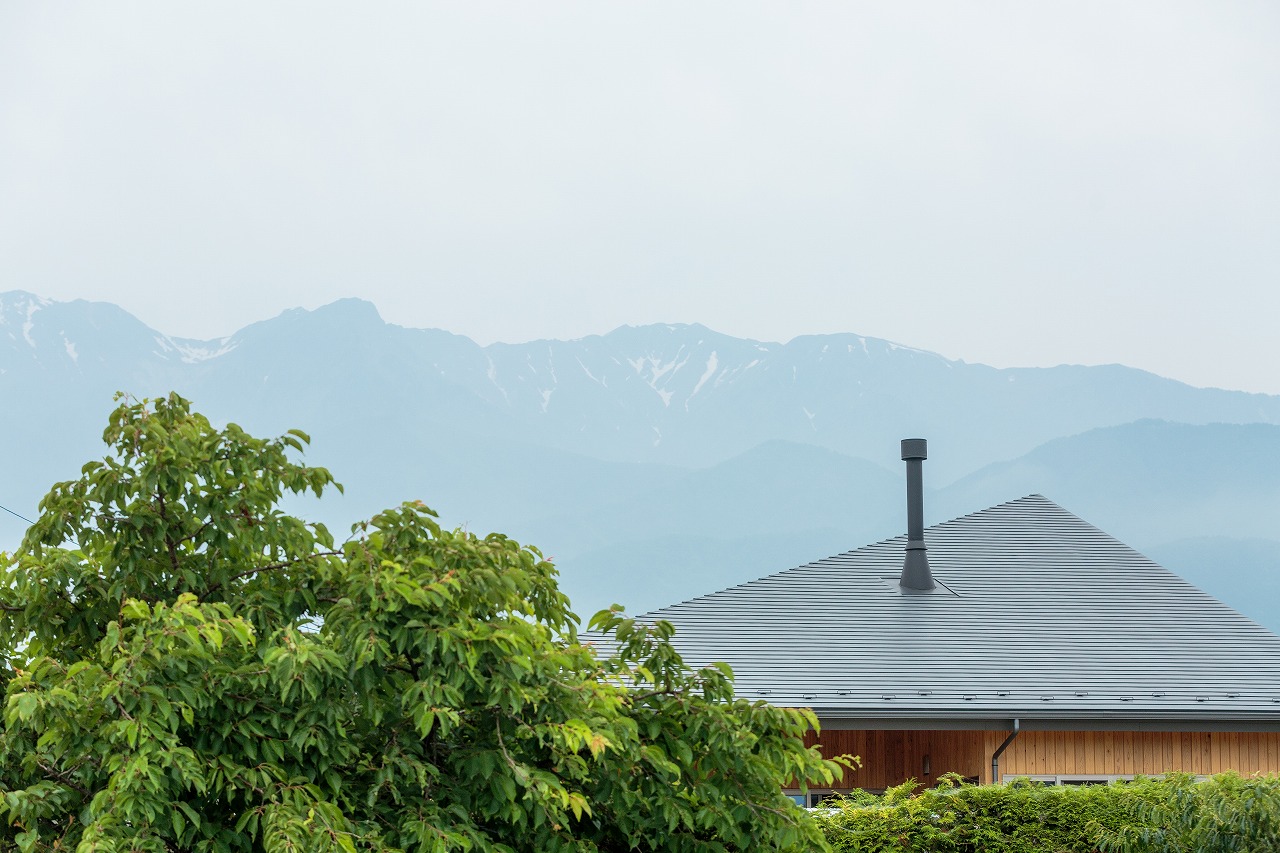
x=914, y=448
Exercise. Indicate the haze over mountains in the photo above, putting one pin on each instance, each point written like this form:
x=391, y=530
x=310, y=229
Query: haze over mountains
x=661, y=462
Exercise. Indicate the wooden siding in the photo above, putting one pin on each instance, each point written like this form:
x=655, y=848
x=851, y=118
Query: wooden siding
x=891, y=757
x=1130, y=753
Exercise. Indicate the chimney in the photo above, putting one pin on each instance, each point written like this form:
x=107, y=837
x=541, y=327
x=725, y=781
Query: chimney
x=915, y=566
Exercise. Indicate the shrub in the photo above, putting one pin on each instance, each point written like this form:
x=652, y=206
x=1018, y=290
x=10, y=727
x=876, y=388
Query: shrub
x=1223, y=814
x=1021, y=817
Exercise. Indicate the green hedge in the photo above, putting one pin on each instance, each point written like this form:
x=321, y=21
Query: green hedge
x=1224, y=814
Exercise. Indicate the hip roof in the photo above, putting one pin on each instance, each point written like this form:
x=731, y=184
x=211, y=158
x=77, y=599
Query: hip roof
x=1038, y=615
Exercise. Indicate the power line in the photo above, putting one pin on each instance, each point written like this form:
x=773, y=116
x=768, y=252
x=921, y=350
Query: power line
x=11, y=512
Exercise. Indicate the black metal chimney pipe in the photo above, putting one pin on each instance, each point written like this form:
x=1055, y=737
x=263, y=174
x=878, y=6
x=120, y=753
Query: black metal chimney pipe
x=915, y=566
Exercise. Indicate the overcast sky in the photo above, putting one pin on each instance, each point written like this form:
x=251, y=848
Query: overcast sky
x=1007, y=182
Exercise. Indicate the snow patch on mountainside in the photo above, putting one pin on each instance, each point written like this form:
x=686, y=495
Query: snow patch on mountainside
x=551, y=365
x=29, y=323
x=656, y=370
x=590, y=375
x=193, y=352
x=70, y=348
x=492, y=373
x=24, y=305
x=900, y=348
x=712, y=363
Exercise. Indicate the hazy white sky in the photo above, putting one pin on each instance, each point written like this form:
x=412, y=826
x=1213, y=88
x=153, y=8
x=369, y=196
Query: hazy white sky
x=1008, y=182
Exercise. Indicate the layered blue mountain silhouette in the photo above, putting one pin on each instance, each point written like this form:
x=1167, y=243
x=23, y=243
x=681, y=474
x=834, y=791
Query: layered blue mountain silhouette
x=660, y=462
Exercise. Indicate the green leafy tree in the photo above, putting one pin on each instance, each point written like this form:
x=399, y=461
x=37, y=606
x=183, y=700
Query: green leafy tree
x=190, y=668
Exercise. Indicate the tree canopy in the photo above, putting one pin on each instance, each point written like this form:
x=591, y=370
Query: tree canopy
x=188, y=667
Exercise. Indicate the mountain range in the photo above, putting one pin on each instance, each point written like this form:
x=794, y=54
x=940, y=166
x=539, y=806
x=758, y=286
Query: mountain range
x=660, y=462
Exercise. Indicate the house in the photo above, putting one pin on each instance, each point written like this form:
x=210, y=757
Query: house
x=1015, y=641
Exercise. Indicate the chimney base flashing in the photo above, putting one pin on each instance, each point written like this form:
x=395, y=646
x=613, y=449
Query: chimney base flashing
x=939, y=588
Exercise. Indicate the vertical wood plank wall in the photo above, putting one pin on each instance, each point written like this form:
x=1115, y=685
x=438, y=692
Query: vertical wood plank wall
x=891, y=757
x=1129, y=753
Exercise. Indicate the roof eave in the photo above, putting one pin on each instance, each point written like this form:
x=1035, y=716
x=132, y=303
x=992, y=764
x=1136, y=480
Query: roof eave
x=1040, y=720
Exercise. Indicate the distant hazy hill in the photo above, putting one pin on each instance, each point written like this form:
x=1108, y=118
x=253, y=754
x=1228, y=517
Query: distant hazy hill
x=1243, y=572
x=654, y=462
x=1147, y=482
x=770, y=508
x=1204, y=500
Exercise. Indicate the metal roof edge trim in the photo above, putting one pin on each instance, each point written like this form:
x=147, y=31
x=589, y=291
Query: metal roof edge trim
x=1052, y=724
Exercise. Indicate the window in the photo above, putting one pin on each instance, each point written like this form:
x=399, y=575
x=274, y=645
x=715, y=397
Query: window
x=819, y=799
x=1065, y=779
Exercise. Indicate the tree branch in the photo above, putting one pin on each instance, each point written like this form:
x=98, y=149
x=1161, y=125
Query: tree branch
x=53, y=774
x=201, y=529
x=270, y=567
x=169, y=544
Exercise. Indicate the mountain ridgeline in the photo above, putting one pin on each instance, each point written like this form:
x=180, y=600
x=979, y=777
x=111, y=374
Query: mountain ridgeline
x=660, y=462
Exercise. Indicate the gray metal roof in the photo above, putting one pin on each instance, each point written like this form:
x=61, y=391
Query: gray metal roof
x=1039, y=615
